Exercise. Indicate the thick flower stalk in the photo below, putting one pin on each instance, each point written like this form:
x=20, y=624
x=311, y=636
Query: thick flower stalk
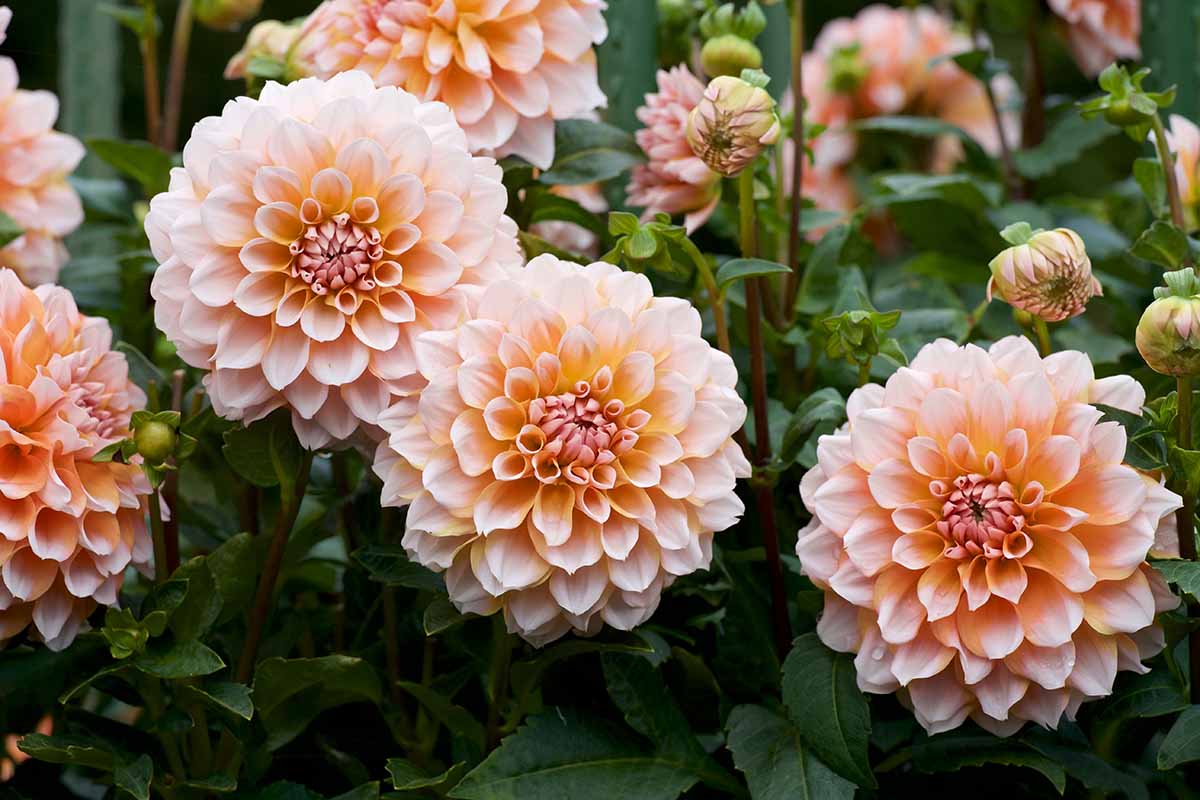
x=311, y=236
x=674, y=180
x=70, y=527
x=1100, y=32
x=1045, y=273
x=732, y=125
x=571, y=455
x=35, y=161
x=980, y=543
x=507, y=68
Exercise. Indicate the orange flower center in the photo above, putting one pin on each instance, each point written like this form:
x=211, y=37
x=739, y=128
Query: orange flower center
x=336, y=253
x=576, y=436
x=981, y=516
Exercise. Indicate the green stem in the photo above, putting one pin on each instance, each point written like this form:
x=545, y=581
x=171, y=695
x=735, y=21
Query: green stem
x=765, y=500
x=973, y=320
x=1174, y=198
x=162, y=569
x=290, y=498
x=1185, y=521
x=497, y=678
x=152, y=696
x=1042, y=331
x=864, y=373
x=171, y=486
x=148, y=44
x=792, y=284
x=715, y=296
x=176, y=73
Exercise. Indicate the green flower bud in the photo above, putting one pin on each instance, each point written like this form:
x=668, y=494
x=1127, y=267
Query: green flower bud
x=155, y=441
x=847, y=69
x=226, y=15
x=1168, y=334
x=729, y=55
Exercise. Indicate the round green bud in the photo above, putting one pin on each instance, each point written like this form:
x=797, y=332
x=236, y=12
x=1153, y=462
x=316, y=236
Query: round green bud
x=155, y=441
x=729, y=55
x=1168, y=336
x=1121, y=113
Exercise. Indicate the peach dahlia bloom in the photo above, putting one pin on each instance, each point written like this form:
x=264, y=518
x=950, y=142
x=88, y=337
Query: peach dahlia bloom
x=310, y=236
x=35, y=161
x=571, y=455
x=980, y=542
x=68, y=527
x=674, y=180
x=1100, y=32
x=508, y=68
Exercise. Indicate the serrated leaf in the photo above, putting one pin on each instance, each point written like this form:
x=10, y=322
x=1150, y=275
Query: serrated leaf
x=233, y=698
x=1151, y=695
x=525, y=675
x=926, y=128
x=639, y=691
x=234, y=570
x=1181, y=745
x=777, y=763
x=290, y=693
x=589, y=152
x=622, y=223
x=150, y=166
x=453, y=716
x=1149, y=176
x=58, y=749
x=1145, y=447
x=406, y=776
x=826, y=706
x=1065, y=142
x=219, y=783
x=740, y=269
x=368, y=791
x=950, y=753
x=1184, y=574
x=1162, y=243
x=1087, y=767
x=186, y=659
x=389, y=564
x=561, y=754
x=440, y=615
x=135, y=777
x=265, y=453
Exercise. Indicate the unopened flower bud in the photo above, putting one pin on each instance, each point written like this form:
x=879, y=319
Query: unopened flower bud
x=155, y=441
x=1045, y=273
x=847, y=69
x=1168, y=334
x=729, y=55
x=732, y=124
x=269, y=40
x=226, y=14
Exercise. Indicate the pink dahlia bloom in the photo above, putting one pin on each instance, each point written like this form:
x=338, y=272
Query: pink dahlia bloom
x=311, y=236
x=571, y=455
x=1100, y=32
x=675, y=180
x=508, y=68
x=35, y=161
x=1183, y=137
x=68, y=527
x=980, y=542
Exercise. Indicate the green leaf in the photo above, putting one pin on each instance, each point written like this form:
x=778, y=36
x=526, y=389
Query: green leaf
x=1065, y=142
x=952, y=752
x=622, y=223
x=368, y=791
x=227, y=696
x=1184, y=574
x=148, y=165
x=1145, y=448
x=406, y=776
x=201, y=605
x=453, y=716
x=1151, y=695
x=58, y=749
x=825, y=704
x=290, y=693
x=1163, y=244
x=639, y=691
x=234, y=569
x=1085, y=766
x=9, y=229
x=777, y=763
x=548, y=207
x=525, y=675
x=440, y=615
x=267, y=453
x=1149, y=176
x=1181, y=745
x=135, y=777
x=818, y=286
x=535, y=246
x=925, y=128
x=186, y=659
x=141, y=369
x=740, y=269
x=588, y=152
x=219, y=783
x=389, y=564
x=561, y=754
x=958, y=189
x=820, y=413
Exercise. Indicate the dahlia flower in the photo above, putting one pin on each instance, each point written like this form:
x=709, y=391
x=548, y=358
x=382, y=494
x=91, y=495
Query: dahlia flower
x=310, y=236
x=508, y=68
x=732, y=124
x=571, y=454
x=1048, y=275
x=1100, y=32
x=35, y=161
x=980, y=543
x=675, y=180
x=68, y=527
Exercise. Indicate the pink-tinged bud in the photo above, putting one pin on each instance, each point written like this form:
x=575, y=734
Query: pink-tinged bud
x=732, y=124
x=1045, y=273
x=270, y=41
x=225, y=15
x=1168, y=334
